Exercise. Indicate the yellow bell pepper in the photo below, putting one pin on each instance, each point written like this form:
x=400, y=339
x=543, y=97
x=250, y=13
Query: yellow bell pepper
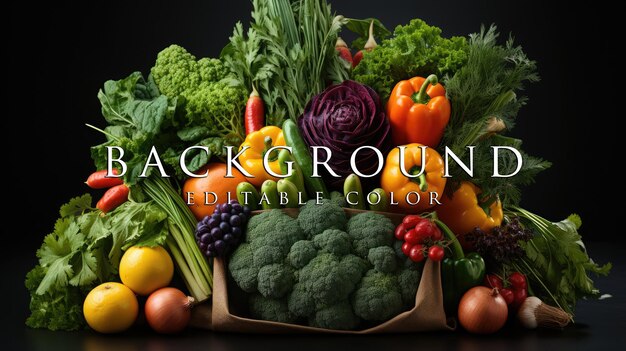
x=399, y=186
x=259, y=143
x=463, y=212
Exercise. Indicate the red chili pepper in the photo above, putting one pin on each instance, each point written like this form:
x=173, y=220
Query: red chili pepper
x=99, y=180
x=113, y=197
x=255, y=113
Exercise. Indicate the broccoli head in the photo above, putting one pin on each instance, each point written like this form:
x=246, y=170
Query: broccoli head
x=329, y=278
x=314, y=218
x=176, y=71
x=369, y=230
x=334, y=241
x=301, y=253
x=270, y=309
x=242, y=269
x=300, y=302
x=258, y=264
x=408, y=282
x=377, y=297
x=383, y=258
x=276, y=230
x=337, y=316
x=275, y=280
x=207, y=99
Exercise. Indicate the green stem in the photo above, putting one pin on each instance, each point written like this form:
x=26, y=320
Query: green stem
x=420, y=180
x=455, y=245
x=103, y=132
x=422, y=97
x=268, y=145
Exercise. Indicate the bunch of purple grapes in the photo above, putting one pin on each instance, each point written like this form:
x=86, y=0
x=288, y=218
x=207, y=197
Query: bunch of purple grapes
x=222, y=231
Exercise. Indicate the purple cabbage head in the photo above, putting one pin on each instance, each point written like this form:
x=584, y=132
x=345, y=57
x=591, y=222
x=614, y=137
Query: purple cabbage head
x=343, y=118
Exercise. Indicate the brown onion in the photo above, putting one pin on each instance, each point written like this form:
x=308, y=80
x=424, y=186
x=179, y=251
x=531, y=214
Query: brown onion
x=168, y=310
x=482, y=310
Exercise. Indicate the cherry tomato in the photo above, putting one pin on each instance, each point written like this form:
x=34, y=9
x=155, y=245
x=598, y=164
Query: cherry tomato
x=412, y=237
x=507, y=295
x=518, y=297
x=518, y=281
x=411, y=221
x=493, y=281
x=436, y=253
x=406, y=248
x=400, y=231
x=425, y=229
x=437, y=234
x=417, y=253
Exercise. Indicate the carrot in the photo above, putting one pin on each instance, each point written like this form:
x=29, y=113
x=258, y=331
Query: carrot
x=99, y=180
x=113, y=197
x=255, y=113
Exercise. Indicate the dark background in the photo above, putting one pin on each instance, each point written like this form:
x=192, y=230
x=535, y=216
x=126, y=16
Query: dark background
x=60, y=54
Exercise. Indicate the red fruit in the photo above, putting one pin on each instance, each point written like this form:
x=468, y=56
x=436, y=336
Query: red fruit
x=507, y=294
x=400, y=231
x=493, y=281
x=357, y=58
x=112, y=198
x=406, y=249
x=437, y=234
x=412, y=237
x=411, y=221
x=342, y=49
x=518, y=281
x=518, y=298
x=417, y=253
x=435, y=253
x=426, y=230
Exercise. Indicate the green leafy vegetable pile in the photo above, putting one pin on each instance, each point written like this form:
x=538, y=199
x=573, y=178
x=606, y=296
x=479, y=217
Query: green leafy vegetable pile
x=556, y=262
x=288, y=54
x=83, y=251
x=415, y=49
x=485, y=95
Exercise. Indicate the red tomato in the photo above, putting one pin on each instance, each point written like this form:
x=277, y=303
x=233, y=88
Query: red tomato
x=518, y=297
x=436, y=253
x=411, y=221
x=412, y=237
x=406, y=248
x=437, y=234
x=518, y=281
x=400, y=231
x=417, y=253
x=426, y=230
x=493, y=281
x=507, y=294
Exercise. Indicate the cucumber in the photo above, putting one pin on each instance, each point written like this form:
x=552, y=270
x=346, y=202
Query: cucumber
x=269, y=190
x=253, y=197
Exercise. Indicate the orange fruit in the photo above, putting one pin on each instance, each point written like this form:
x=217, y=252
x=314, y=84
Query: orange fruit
x=214, y=182
x=145, y=269
x=110, y=308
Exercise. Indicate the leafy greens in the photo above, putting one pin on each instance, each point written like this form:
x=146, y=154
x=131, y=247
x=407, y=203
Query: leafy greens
x=83, y=251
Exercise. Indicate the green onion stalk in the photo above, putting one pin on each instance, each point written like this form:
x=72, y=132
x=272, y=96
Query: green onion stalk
x=181, y=242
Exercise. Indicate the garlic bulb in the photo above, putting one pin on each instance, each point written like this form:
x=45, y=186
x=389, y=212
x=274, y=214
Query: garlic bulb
x=534, y=313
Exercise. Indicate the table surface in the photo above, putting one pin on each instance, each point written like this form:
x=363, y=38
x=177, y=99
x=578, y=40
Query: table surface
x=601, y=325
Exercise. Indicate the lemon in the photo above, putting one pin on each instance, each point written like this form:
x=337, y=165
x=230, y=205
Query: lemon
x=110, y=308
x=144, y=269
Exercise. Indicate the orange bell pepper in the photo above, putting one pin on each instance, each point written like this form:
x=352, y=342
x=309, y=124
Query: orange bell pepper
x=431, y=180
x=463, y=212
x=252, y=159
x=418, y=111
